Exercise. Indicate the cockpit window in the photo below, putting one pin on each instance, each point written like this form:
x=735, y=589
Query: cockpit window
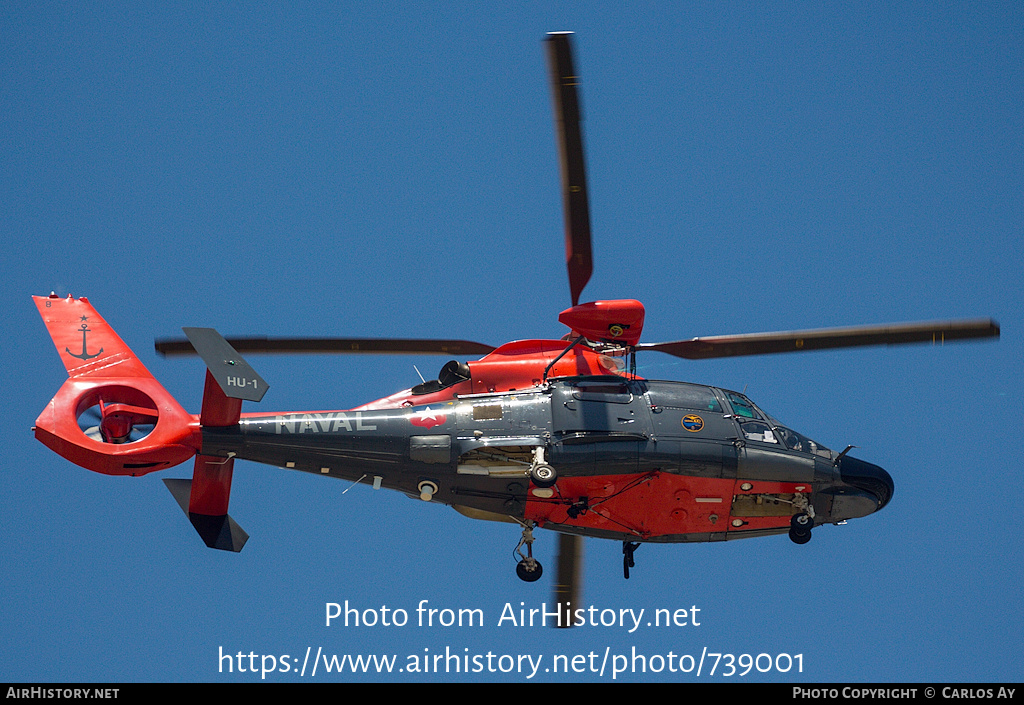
x=760, y=427
x=758, y=431
x=741, y=406
x=799, y=442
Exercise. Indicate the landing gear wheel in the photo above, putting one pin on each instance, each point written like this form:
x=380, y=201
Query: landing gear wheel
x=800, y=528
x=529, y=570
x=799, y=537
x=543, y=475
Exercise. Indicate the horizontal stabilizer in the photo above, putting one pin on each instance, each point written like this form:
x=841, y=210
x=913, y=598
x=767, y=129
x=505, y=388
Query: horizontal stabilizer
x=232, y=373
x=219, y=532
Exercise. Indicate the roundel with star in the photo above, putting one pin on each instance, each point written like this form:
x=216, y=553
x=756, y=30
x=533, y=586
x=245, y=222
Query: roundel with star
x=428, y=418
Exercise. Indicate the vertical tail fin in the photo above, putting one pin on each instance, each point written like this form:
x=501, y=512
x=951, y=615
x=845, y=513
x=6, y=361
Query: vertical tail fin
x=86, y=343
x=204, y=498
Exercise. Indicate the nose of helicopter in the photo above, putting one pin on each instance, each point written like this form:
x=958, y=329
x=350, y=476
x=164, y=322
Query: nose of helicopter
x=869, y=478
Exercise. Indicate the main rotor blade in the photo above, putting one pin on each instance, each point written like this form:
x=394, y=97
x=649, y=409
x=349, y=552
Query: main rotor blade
x=570, y=575
x=401, y=346
x=936, y=332
x=570, y=152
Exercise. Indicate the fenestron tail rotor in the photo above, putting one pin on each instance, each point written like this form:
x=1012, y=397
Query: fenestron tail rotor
x=111, y=421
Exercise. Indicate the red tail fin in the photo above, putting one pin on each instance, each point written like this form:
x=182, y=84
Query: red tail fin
x=111, y=415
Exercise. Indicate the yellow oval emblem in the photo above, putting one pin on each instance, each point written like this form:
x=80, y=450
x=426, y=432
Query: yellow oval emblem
x=693, y=423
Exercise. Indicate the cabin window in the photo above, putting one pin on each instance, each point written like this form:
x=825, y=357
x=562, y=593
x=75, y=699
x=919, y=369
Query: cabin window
x=604, y=391
x=685, y=396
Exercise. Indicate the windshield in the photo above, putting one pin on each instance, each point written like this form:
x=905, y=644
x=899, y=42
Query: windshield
x=799, y=442
x=758, y=426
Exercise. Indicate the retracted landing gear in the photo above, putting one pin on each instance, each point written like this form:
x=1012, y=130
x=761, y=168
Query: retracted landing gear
x=800, y=528
x=529, y=568
x=628, y=547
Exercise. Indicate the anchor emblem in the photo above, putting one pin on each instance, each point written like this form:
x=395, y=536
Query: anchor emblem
x=85, y=355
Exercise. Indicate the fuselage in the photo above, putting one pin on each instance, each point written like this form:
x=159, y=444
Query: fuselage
x=636, y=459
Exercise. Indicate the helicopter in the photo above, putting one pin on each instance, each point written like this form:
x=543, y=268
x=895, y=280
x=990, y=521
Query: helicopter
x=556, y=434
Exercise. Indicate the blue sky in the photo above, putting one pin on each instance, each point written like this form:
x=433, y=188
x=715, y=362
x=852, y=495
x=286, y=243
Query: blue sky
x=390, y=170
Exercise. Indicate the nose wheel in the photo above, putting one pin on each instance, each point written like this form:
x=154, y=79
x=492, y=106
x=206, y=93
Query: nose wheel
x=800, y=528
